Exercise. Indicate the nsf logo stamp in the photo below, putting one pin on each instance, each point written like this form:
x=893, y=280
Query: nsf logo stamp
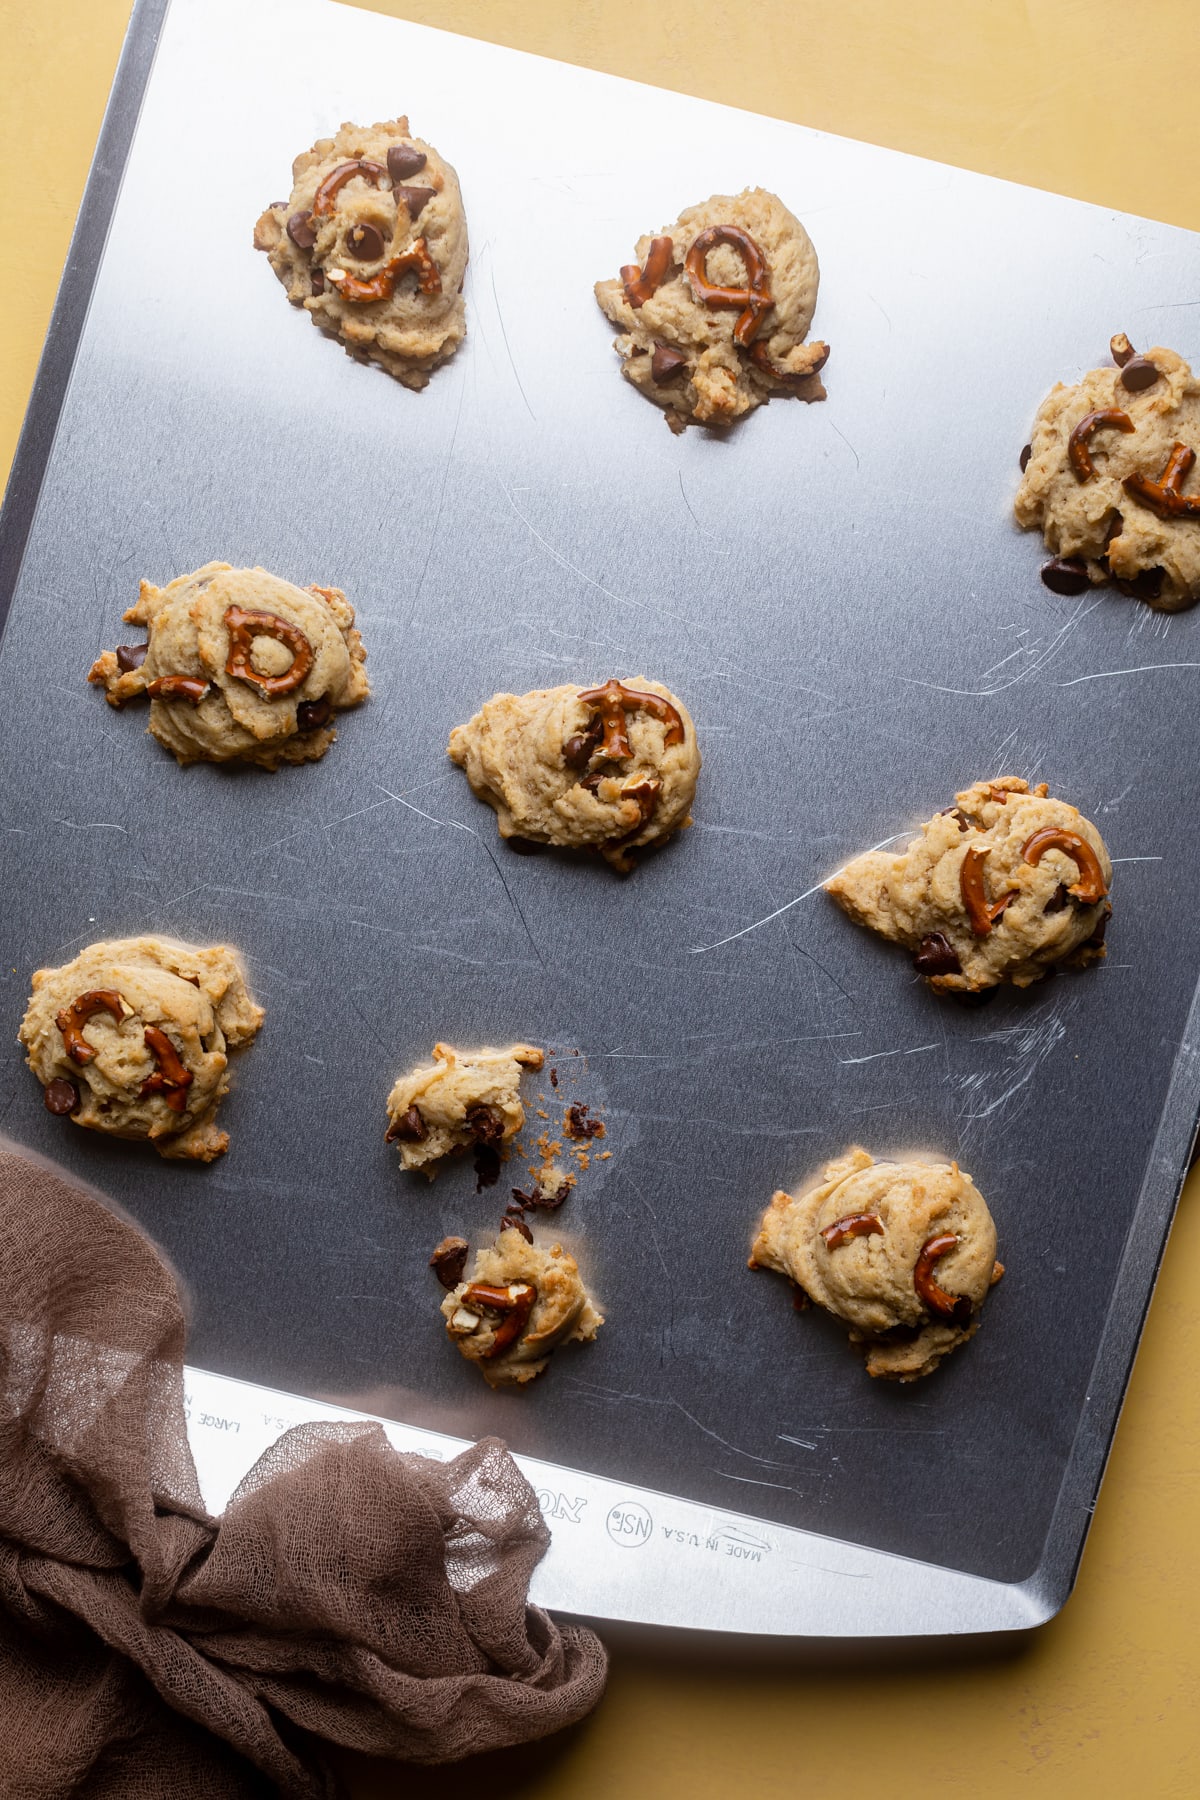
x=629, y=1524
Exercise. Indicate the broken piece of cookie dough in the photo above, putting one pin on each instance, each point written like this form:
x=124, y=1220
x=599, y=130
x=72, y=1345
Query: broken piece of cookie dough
x=610, y=768
x=458, y=1101
x=716, y=308
x=1005, y=885
x=521, y=1302
x=131, y=1038
x=1103, y=479
x=372, y=243
x=239, y=666
x=904, y=1253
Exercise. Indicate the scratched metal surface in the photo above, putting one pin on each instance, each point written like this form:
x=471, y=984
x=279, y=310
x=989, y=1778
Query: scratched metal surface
x=839, y=595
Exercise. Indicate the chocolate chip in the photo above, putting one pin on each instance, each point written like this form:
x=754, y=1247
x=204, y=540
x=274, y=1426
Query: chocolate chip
x=404, y=160
x=1145, y=585
x=666, y=364
x=61, y=1096
x=578, y=1125
x=1138, y=374
x=1121, y=349
x=547, y=1200
x=514, y=1222
x=1097, y=937
x=554, y=1078
x=300, y=230
x=577, y=751
x=1066, y=575
x=416, y=199
x=800, y=1300
x=317, y=280
x=411, y=1129
x=1059, y=899
x=936, y=955
x=964, y=824
x=365, y=242
x=449, y=1260
x=1026, y=453
x=131, y=656
x=487, y=1167
x=312, y=714
x=485, y=1124
x=1113, y=529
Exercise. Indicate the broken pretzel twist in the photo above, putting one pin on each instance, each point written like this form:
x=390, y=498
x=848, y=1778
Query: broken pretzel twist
x=854, y=1225
x=1091, y=885
x=955, y=1307
x=753, y=301
x=73, y=1018
x=1163, y=496
x=612, y=701
x=515, y=1303
x=172, y=1078
x=642, y=284
x=1078, y=443
x=243, y=628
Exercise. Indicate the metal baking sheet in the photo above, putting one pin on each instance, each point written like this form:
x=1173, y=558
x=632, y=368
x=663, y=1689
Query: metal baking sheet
x=838, y=593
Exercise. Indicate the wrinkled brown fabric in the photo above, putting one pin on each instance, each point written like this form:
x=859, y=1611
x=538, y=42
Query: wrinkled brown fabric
x=349, y=1595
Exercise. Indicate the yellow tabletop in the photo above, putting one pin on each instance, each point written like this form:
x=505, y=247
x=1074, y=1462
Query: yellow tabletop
x=1094, y=98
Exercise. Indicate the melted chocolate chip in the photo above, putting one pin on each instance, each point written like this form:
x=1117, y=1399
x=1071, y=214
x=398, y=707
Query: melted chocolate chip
x=411, y=1129
x=936, y=955
x=365, y=242
x=554, y=1078
x=485, y=1124
x=1097, y=937
x=577, y=751
x=312, y=714
x=131, y=656
x=1026, y=453
x=1059, y=899
x=487, y=1167
x=1138, y=374
x=300, y=230
x=1066, y=575
x=449, y=1260
x=404, y=160
x=317, y=280
x=61, y=1096
x=666, y=364
x=416, y=199
x=578, y=1125
x=1145, y=585
x=514, y=1222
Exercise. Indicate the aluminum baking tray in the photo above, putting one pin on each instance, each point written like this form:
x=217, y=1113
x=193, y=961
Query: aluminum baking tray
x=840, y=596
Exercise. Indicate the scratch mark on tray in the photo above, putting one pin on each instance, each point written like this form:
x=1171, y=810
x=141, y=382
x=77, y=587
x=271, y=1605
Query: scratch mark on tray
x=508, y=348
x=591, y=1387
x=1039, y=663
x=702, y=949
x=847, y=1062
x=1111, y=674
x=848, y=444
x=88, y=825
x=757, y=1481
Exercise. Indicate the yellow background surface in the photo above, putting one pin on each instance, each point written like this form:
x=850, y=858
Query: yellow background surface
x=1095, y=98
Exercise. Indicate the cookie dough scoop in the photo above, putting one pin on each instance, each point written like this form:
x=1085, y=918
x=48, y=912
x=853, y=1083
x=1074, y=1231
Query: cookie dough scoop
x=459, y=1101
x=372, y=245
x=239, y=666
x=1006, y=885
x=903, y=1253
x=715, y=310
x=1108, y=479
x=131, y=1038
x=519, y=1304
x=610, y=768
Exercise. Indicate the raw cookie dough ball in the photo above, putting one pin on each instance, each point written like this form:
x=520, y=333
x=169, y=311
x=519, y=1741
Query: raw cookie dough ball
x=456, y=1101
x=520, y=1303
x=1003, y=886
x=130, y=1038
x=1109, y=461
x=240, y=666
x=904, y=1252
x=715, y=311
x=373, y=245
x=611, y=768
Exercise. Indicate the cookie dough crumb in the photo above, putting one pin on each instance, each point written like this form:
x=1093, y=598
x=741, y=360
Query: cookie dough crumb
x=520, y=1303
x=611, y=768
x=372, y=244
x=1105, y=476
x=903, y=1253
x=130, y=1038
x=240, y=665
x=714, y=312
x=457, y=1102
x=1005, y=885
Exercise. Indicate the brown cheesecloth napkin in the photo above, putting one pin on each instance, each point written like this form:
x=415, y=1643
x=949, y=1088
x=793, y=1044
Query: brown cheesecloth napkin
x=350, y=1595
